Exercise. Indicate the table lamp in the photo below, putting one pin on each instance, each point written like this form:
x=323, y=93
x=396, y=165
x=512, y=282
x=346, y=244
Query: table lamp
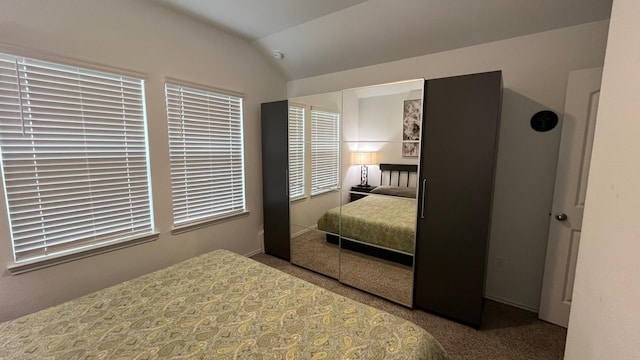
x=364, y=158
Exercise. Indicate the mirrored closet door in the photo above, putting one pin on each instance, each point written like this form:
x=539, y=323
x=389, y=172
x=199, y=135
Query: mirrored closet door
x=350, y=165
x=380, y=143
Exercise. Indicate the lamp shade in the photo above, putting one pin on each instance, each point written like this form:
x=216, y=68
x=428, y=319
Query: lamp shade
x=364, y=158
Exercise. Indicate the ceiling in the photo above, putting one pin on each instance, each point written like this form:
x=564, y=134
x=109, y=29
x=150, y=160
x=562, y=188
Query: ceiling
x=325, y=36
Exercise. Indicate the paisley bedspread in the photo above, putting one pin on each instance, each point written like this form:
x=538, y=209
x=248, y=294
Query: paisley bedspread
x=216, y=306
x=386, y=221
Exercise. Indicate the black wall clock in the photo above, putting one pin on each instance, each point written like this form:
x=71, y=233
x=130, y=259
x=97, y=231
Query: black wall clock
x=544, y=121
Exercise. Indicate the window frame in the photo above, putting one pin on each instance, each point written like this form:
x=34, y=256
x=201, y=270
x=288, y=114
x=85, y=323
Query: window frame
x=83, y=247
x=186, y=226
x=316, y=190
x=301, y=153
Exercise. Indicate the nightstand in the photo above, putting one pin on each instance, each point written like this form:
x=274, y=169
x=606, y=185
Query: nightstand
x=358, y=192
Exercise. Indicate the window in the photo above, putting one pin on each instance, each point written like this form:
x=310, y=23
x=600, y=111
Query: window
x=325, y=151
x=206, y=153
x=74, y=158
x=296, y=151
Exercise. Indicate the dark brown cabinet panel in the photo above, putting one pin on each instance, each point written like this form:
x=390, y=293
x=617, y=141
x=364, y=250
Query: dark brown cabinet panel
x=275, y=182
x=458, y=152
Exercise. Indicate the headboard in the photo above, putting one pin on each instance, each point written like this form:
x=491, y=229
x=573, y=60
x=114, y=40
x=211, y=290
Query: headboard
x=398, y=170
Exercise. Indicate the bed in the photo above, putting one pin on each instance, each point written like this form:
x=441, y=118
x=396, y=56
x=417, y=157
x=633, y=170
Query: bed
x=215, y=306
x=384, y=221
x=380, y=226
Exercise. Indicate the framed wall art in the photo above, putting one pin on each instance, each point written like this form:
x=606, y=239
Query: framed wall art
x=411, y=127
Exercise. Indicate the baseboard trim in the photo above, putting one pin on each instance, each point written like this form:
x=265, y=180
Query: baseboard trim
x=314, y=227
x=254, y=252
x=511, y=303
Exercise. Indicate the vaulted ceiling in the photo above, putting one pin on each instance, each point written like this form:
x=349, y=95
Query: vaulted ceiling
x=323, y=36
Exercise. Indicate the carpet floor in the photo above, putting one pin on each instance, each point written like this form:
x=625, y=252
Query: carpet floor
x=507, y=333
x=393, y=281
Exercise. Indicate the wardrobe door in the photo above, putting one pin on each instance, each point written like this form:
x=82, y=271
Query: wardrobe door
x=460, y=125
x=275, y=178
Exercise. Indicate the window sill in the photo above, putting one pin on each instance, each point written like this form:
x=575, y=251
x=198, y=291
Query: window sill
x=298, y=198
x=23, y=267
x=182, y=228
x=324, y=192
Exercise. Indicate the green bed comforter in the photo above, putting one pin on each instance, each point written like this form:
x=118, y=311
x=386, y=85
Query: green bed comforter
x=216, y=306
x=386, y=221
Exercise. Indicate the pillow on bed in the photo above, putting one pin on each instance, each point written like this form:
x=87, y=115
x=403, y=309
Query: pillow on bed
x=409, y=192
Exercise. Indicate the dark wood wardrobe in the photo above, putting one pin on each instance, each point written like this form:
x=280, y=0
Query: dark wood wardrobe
x=458, y=154
x=460, y=121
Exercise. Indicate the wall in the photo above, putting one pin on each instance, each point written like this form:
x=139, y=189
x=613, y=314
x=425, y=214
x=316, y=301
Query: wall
x=535, y=71
x=605, y=317
x=142, y=37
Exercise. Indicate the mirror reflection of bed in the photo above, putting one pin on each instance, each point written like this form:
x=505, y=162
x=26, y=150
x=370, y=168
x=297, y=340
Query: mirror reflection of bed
x=380, y=222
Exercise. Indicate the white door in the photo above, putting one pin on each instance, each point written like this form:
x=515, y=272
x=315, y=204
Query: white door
x=581, y=108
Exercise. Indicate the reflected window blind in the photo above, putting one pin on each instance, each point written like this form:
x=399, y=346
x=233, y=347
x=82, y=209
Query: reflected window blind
x=206, y=153
x=325, y=151
x=296, y=151
x=74, y=157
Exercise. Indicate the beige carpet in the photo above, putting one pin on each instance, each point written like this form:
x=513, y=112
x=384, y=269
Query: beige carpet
x=384, y=278
x=312, y=251
x=508, y=333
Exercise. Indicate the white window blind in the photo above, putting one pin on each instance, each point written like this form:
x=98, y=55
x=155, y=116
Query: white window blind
x=325, y=151
x=206, y=153
x=296, y=151
x=74, y=157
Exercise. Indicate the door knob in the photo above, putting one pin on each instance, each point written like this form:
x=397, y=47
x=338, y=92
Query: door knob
x=561, y=217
